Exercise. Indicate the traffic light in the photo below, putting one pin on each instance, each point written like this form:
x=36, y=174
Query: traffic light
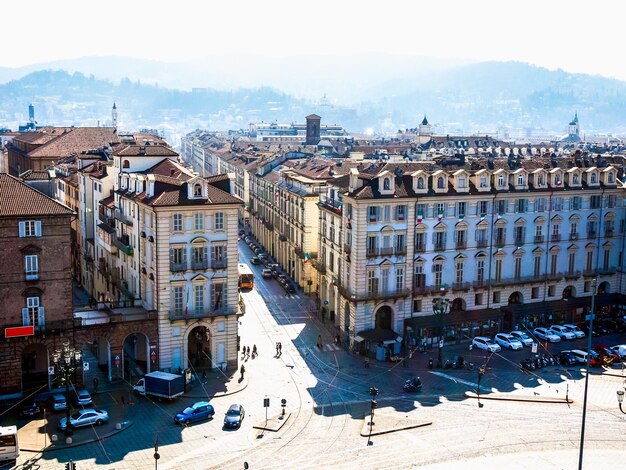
x=374, y=404
x=70, y=465
x=373, y=392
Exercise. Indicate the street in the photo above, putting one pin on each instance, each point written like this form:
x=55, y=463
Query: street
x=327, y=395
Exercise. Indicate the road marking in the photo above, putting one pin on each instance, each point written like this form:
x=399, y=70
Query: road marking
x=464, y=382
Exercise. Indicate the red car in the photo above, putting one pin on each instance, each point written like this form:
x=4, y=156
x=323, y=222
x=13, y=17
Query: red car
x=608, y=356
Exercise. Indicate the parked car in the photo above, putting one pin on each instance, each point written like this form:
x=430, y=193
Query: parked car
x=82, y=398
x=544, y=333
x=85, y=417
x=522, y=338
x=612, y=326
x=574, y=329
x=234, y=416
x=196, y=412
x=585, y=329
x=608, y=356
x=566, y=358
x=267, y=274
x=580, y=356
x=241, y=232
x=507, y=341
x=246, y=239
x=619, y=349
x=486, y=344
x=30, y=409
x=57, y=402
x=562, y=331
x=598, y=360
x=255, y=260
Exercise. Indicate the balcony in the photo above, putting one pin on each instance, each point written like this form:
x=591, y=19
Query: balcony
x=199, y=264
x=460, y=286
x=124, y=245
x=538, y=238
x=122, y=285
x=177, y=267
x=269, y=226
x=331, y=204
x=555, y=237
x=119, y=215
x=371, y=252
x=218, y=264
x=388, y=251
x=482, y=284
x=608, y=233
x=299, y=252
x=461, y=245
x=482, y=243
x=103, y=269
x=573, y=237
x=500, y=242
x=420, y=247
x=554, y=276
x=179, y=314
x=421, y=290
x=607, y=271
x=400, y=250
x=519, y=241
x=572, y=274
x=440, y=247
x=282, y=238
x=106, y=219
x=592, y=234
x=378, y=295
x=347, y=248
x=589, y=273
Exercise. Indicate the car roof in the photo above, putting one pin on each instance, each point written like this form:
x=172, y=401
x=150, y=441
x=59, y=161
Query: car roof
x=482, y=337
x=234, y=407
x=82, y=392
x=578, y=351
x=58, y=396
x=506, y=335
x=198, y=404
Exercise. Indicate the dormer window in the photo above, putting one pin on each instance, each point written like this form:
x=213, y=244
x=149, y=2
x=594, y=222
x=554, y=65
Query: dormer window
x=461, y=182
x=610, y=178
x=125, y=164
x=575, y=178
x=520, y=180
x=440, y=183
x=386, y=184
x=540, y=180
x=594, y=178
x=483, y=181
x=501, y=180
x=197, y=190
x=420, y=183
x=557, y=179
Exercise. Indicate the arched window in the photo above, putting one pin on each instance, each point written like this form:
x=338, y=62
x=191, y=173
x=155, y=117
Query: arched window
x=125, y=164
x=420, y=183
x=197, y=190
x=593, y=178
x=575, y=178
x=386, y=184
x=540, y=180
x=440, y=182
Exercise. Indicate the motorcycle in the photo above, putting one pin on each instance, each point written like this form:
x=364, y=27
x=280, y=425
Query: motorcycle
x=413, y=385
x=527, y=364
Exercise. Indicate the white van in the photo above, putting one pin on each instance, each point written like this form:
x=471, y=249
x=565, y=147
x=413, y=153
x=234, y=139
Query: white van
x=9, y=448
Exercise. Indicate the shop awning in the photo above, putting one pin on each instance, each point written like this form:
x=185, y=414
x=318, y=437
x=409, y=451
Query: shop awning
x=379, y=335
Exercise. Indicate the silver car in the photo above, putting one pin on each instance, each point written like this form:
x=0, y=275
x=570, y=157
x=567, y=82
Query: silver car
x=85, y=417
x=522, y=338
x=574, y=329
x=544, y=333
x=82, y=398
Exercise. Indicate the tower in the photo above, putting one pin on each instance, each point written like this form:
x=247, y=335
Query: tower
x=312, y=129
x=425, y=128
x=114, y=116
x=574, y=127
x=31, y=114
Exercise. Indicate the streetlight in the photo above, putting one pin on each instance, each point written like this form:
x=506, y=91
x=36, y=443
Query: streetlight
x=620, y=399
x=440, y=308
x=590, y=318
x=481, y=372
x=373, y=405
x=66, y=360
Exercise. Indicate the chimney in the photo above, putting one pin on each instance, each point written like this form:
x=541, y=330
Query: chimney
x=354, y=180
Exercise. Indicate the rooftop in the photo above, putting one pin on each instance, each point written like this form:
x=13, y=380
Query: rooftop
x=19, y=199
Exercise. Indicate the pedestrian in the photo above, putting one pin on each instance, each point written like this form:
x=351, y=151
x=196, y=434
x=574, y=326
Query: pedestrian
x=319, y=341
x=122, y=399
x=254, y=351
x=366, y=363
x=242, y=370
x=277, y=347
x=204, y=375
x=248, y=351
x=95, y=385
x=280, y=348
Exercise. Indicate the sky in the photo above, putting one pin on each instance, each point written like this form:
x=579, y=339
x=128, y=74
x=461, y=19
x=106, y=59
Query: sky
x=575, y=35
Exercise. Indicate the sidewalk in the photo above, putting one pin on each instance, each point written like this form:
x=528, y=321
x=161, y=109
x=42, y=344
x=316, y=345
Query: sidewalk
x=216, y=385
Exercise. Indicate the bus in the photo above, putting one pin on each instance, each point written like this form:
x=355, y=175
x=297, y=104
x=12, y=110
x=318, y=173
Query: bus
x=246, y=276
x=9, y=448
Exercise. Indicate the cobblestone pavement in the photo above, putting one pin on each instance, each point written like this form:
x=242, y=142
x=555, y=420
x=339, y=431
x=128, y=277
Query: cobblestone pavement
x=327, y=393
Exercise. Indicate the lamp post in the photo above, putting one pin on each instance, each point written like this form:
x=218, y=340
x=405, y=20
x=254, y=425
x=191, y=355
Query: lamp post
x=65, y=361
x=440, y=308
x=481, y=372
x=590, y=318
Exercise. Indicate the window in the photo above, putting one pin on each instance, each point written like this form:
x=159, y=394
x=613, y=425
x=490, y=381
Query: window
x=417, y=305
x=575, y=203
x=571, y=262
x=198, y=298
x=462, y=183
x=438, y=271
x=372, y=244
x=534, y=293
x=496, y=297
x=461, y=238
x=177, y=222
x=218, y=255
x=458, y=272
x=419, y=279
x=610, y=200
x=606, y=259
x=501, y=206
x=199, y=256
x=197, y=190
x=537, y=265
x=501, y=180
x=218, y=299
x=554, y=263
x=373, y=213
x=400, y=212
x=575, y=178
x=517, y=267
x=611, y=178
x=587, y=286
x=440, y=240
x=440, y=210
x=440, y=183
x=557, y=203
x=178, y=258
x=589, y=261
x=483, y=181
x=399, y=278
x=594, y=178
x=478, y=299
x=387, y=213
x=400, y=243
x=520, y=235
x=178, y=299
x=386, y=184
x=480, y=270
x=420, y=210
x=521, y=205
x=31, y=266
x=372, y=282
x=33, y=314
x=219, y=221
x=551, y=290
x=461, y=207
x=498, y=268
x=30, y=228
x=481, y=237
x=198, y=222
x=520, y=180
x=420, y=183
x=482, y=208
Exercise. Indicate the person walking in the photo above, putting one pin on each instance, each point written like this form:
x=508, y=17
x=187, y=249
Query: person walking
x=95, y=385
x=319, y=341
x=277, y=347
x=242, y=369
x=280, y=347
x=254, y=351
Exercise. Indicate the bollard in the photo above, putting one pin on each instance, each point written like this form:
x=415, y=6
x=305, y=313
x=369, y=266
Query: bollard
x=54, y=438
x=68, y=440
x=118, y=425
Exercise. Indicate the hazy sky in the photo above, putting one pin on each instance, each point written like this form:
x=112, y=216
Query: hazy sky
x=578, y=36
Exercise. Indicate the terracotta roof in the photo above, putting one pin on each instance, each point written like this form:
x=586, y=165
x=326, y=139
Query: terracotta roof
x=19, y=199
x=167, y=167
x=135, y=150
x=108, y=201
x=41, y=136
x=75, y=141
x=35, y=175
x=97, y=169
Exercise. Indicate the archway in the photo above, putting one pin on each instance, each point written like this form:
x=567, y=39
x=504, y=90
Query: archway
x=97, y=353
x=458, y=305
x=199, y=355
x=516, y=298
x=135, y=352
x=569, y=292
x=383, y=317
x=34, y=368
x=604, y=288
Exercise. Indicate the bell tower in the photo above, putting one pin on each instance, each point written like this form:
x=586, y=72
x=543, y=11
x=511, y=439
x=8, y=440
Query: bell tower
x=114, y=116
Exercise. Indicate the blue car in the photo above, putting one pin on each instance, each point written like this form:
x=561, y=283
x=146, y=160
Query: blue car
x=234, y=416
x=196, y=412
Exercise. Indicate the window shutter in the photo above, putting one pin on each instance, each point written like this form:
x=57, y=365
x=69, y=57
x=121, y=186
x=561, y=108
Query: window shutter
x=41, y=317
x=171, y=255
x=224, y=257
x=38, y=228
x=25, y=317
x=22, y=229
x=185, y=255
x=205, y=251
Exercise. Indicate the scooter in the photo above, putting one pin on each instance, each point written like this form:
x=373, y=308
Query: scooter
x=413, y=385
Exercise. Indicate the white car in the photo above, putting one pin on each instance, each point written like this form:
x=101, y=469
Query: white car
x=507, y=341
x=562, y=331
x=86, y=417
x=619, y=349
x=574, y=329
x=544, y=333
x=522, y=338
x=482, y=342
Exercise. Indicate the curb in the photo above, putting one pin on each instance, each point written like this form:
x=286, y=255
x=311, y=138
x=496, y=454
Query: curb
x=221, y=394
x=281, y=422
x=389, y=431
x=566, y=401
x=53, y=447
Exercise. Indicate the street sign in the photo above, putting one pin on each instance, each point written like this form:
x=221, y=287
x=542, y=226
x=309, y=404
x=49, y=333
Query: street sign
x=85, y=366
x=441, y=343
x=153, y=356
x=590, y=316
x=51, y=370
x=266, y=402
x=17, y=331
x=117, y=360
x=325, y=302
x=534, y=348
